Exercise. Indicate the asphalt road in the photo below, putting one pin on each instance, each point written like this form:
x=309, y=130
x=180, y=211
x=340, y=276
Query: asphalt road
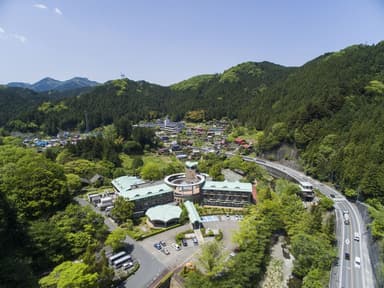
x=347, y=274
x=150, y=268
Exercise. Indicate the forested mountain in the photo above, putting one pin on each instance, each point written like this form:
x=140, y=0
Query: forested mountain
x=210, y=96
x=330, y=108
x=21, y=103
x=48, y=84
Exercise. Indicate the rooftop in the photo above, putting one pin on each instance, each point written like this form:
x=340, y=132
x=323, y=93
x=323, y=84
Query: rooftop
x=192, y=212
x=147, y=191
x=305, y=184
x=125, y=183
x=164, y=213
x=228, y=186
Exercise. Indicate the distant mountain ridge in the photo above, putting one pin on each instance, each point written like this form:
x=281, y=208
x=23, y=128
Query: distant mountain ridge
x=49, y=84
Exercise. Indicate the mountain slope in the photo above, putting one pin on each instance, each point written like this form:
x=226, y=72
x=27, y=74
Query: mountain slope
x=17, y=101
x=330, y=109
x=49, y=84
x=221, y=95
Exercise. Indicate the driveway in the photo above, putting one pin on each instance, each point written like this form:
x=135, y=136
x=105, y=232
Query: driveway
x=150, y=268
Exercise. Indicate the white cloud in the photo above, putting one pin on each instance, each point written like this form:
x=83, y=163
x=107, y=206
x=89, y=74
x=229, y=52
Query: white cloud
x=40, y=6
x=4, y=35
x=58, y=11
x=19, y=37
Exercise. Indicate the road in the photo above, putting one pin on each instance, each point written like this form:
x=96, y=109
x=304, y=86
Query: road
x=150, y=268
x=347, y=274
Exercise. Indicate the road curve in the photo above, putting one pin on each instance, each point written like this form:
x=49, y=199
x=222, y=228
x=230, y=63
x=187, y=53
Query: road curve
x=347, y=274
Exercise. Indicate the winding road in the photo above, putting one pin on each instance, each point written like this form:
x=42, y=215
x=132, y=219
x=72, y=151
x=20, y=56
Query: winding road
x=347, y=273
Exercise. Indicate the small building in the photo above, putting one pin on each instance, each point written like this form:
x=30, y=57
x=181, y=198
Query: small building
x=240, y=141
x=105, y=202
x=193, y=215
x=97, y=179
x=94, y=199
x=164, y=215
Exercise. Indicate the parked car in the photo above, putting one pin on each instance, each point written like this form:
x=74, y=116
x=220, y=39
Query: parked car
x=157, y=246
x=166, y=251
x=162, y=242
x=195, y=241
x=176, y=246
x=185, y=243
x=127, y=265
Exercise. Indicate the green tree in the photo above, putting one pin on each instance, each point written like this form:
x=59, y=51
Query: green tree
x=74, y=183
x=70, y=275
x=151, y=171
x=311, y=252
x=212, y=258
x=315, y=279
x=350, y=193
x=122, y=210
x=35, y=185
x=116, y=239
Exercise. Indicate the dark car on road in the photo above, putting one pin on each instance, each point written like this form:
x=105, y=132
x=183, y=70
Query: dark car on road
x=347, y=256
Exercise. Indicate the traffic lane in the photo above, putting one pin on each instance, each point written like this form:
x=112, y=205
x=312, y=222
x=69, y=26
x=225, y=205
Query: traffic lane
x=354, y=274
x=348, y=277
x=355, y=247
x=342, y=248
x=365, y=267
x=359, y=276
x=150, y=268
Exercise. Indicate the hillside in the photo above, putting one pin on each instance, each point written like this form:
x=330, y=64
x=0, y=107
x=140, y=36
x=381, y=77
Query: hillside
x=18, y=105
x=217, y=96
x=330, y=109
x=15, y=101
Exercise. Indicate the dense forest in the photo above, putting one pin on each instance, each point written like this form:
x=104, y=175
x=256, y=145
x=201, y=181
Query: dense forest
x=330, y=109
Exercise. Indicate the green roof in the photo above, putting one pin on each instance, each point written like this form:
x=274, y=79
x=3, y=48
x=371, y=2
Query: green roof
x=144, y=192
x=192, y=212
x=164, y=213
x=227, y=186
x=125, y=183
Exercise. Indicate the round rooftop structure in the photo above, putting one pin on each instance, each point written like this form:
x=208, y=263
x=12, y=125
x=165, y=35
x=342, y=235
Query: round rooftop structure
x=186, y=186
x=164, y=215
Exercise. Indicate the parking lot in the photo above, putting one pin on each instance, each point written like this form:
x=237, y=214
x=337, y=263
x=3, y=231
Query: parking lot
x=175, y=257
x=227, y=224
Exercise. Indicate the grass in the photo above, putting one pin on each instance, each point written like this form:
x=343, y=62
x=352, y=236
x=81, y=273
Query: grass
x=160, y=160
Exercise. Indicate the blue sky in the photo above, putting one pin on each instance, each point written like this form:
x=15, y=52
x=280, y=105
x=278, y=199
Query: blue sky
x=166, y=41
